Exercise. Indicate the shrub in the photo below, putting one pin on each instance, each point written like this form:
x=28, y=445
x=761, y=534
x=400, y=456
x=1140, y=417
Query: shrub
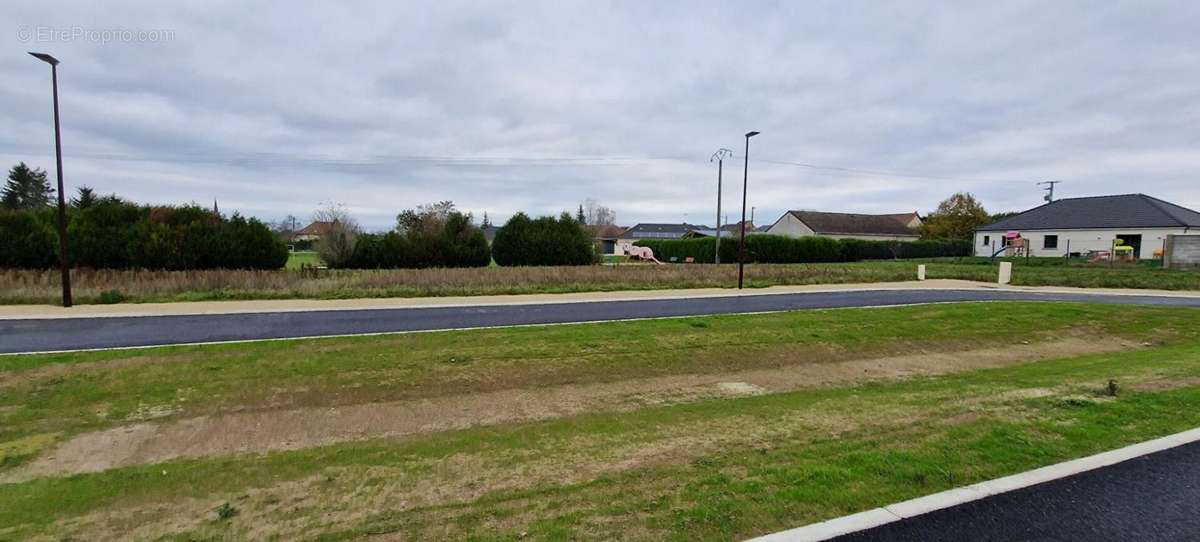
x=543, y=241
x=812, y=249
x=114, y=234
x=27, y=240
x=449, y=242
x=110, y=297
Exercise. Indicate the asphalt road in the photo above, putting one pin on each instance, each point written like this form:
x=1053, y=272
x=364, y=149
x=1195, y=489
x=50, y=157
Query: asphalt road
x=41, y=335
x=1153, y=497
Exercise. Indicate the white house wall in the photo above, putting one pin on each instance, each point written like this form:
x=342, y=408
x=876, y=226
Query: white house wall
x=1080, y=241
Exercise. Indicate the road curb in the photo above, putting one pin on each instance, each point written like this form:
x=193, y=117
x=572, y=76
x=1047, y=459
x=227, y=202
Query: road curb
x=876, y=517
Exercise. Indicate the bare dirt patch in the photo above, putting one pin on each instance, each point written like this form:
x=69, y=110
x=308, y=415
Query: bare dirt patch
x=261, y=431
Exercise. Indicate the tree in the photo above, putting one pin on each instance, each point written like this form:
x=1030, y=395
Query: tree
x=543, y=241
x=428, y=218
x=956, y=217
x=27, y=188
x=580, y=217
x=336, y=246
x=86, y=198
x=487, y=222
x=596, y=214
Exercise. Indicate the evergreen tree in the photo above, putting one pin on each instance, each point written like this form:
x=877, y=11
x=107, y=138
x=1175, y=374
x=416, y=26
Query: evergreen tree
x=579, y=216
x=27, y=188
x=487, y=222
x=85, y=199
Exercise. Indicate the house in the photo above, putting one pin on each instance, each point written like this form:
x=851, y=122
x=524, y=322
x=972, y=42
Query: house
x=727, y=231
x=889, y=227
x=605, y=236
x=1090, y=224
x=653, y=231
x=313, y=232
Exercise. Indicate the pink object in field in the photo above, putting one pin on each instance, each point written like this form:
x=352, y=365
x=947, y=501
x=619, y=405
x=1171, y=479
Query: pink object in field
x=643, y=253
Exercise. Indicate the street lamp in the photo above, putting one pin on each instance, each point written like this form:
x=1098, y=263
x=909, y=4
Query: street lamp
x=62, y=202
x=719, y=156
x=742, y=239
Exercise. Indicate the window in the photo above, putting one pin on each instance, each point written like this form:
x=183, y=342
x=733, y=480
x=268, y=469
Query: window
x=987, y=240
x=1050, y=241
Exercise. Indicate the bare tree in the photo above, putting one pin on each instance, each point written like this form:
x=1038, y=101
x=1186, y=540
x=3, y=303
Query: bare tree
x=336, y=245
x=598, y=215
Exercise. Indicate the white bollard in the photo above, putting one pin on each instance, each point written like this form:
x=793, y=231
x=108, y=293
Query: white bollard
x=1005, y=272
x=921, y=272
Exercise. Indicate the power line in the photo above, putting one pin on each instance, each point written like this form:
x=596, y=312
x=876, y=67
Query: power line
x=283, y=159
x=881, y=173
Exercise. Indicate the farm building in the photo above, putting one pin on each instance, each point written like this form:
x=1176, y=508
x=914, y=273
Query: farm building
x=1090, y=225
x=889, y=227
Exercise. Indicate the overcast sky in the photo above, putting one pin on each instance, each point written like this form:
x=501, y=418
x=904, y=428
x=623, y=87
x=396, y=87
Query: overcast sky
x=536, y=106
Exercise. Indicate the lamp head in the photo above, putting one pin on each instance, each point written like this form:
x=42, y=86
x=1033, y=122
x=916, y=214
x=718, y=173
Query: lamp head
x=45, y=58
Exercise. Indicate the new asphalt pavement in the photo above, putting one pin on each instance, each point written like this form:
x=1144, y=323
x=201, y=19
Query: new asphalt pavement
x=1153, y=497
x=64, y=334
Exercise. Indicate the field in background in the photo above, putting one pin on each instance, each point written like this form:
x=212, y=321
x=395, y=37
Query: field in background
x=302, y=257
x=24, y=286
x=705, y=428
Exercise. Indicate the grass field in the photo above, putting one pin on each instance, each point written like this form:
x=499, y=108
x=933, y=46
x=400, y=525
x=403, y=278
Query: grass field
x=300, y=258
x=690, y=428
x=24, y=286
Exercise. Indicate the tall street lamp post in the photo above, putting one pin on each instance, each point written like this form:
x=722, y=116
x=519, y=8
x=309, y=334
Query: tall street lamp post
x=719, y=156
x=63, y=264
x=742, y=228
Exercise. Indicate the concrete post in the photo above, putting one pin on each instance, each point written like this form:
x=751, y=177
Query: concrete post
x=921, y=272
x=1005, y=272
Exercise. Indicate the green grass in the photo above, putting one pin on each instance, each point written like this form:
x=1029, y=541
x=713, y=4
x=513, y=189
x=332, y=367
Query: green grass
x=140, y=286
x=62, y=393
x=299, y=258
x=778, y=461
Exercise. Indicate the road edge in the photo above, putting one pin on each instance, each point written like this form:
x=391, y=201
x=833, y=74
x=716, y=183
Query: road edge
x=884, y=515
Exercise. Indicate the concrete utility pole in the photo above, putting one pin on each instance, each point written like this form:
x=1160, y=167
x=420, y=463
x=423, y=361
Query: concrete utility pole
x=719, y=156
x=1049, y=189
x=63, y=264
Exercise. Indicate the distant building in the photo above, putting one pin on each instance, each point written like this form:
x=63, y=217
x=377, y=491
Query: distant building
x=606, y=237
x=647, y=230
x=889, y=227
x=313, y=232
x=1090, y=224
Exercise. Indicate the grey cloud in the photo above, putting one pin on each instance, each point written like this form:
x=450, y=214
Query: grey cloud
x=274, y=108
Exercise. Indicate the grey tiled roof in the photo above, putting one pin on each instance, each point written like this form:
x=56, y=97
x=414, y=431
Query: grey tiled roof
x=853, y=223
x=660, y=231
x=1123, y=211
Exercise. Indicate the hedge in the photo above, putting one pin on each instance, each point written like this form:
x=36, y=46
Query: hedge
x=763, y=248
x=543, y=241
x=114, y=234
x=454, y=243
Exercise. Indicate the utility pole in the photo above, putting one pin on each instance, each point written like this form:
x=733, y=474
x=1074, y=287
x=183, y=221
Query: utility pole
x=719, y=156
x=742, y=228
x=63, y=264
x=1049, y=197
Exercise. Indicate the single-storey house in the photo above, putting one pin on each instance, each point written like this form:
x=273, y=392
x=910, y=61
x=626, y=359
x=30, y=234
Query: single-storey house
x=647, y=230
x=727, y=231
x=312, y=232
x=1091, y=224
x=889, y=227
x=605, y=236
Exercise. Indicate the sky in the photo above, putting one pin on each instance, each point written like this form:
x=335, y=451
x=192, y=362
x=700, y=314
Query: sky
x=278, y=108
